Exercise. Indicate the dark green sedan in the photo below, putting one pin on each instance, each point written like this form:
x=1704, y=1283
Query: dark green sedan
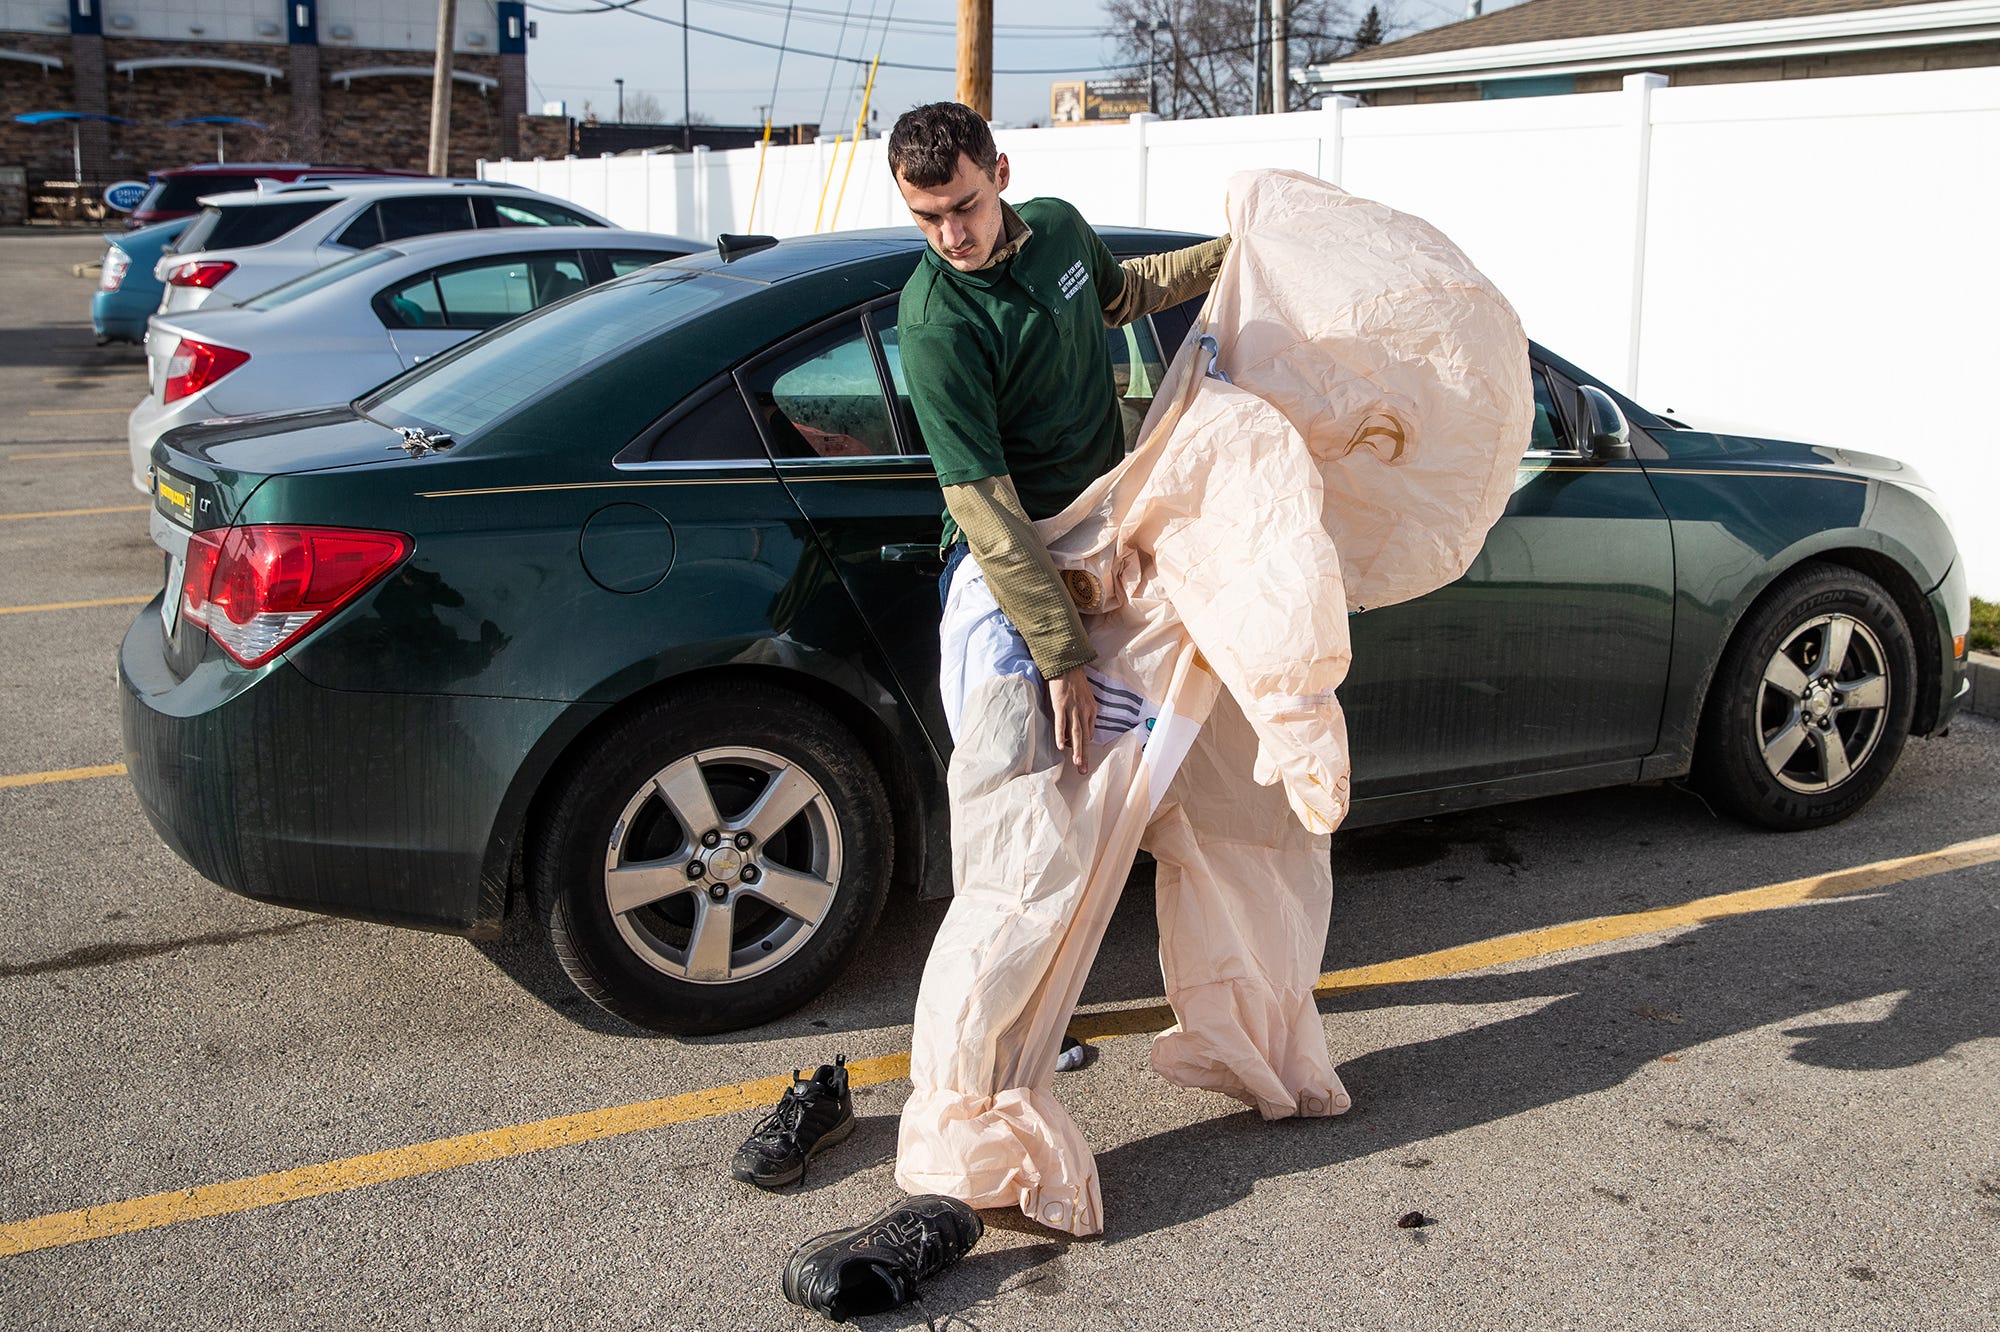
x=629, y=609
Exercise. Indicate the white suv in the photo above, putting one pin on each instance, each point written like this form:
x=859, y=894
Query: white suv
x=247, y=242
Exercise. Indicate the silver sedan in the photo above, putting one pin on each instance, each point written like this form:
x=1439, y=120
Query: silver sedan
x=340, y=330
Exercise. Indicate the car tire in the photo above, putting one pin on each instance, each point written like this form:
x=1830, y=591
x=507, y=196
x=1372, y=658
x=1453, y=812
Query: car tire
x=692, y=917
x=1811, y=704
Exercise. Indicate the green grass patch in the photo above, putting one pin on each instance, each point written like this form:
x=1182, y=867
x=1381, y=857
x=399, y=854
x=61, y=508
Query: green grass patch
x=1985, y=636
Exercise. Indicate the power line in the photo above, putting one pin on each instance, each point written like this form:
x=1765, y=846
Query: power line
x=826, y=98
x=941, y=29
x=831, y=16
x=630, y=7
x=771, y=110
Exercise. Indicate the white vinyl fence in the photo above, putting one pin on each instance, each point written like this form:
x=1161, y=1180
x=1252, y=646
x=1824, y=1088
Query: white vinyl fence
x=1813, y=259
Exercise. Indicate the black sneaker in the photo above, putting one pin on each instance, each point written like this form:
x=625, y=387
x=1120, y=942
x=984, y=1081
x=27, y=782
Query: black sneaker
x=878, y=1265
x=813, y=1115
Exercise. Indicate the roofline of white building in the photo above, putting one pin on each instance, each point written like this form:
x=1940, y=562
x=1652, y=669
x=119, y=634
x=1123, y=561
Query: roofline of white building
x=1952, y=21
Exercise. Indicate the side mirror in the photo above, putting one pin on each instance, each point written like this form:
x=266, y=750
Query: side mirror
x=1605, y=432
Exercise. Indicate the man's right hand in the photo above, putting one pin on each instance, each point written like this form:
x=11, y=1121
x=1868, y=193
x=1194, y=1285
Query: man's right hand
x=1075, y=709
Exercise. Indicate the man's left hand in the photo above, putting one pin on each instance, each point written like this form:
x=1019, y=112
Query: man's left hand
x=1075, y=709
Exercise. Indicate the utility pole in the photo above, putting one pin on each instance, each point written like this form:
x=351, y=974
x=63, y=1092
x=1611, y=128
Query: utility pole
x=687, y=91
x=441, y=88
x=975, y=55
x=1150, y=34
x=1257, y=61
x=1281, y=74
x=621, y=99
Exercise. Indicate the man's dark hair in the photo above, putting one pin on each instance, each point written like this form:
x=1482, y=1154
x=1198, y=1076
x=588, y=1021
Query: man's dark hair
x=925, y=144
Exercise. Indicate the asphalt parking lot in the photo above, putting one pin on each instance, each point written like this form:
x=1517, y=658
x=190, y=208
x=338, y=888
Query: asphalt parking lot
x=1633, y=1065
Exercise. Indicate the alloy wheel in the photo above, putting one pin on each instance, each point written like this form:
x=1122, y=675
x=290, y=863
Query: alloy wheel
x=1822, y=703
x=723, y=864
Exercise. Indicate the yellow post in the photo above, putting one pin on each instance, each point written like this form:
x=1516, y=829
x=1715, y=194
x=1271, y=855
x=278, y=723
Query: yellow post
x=762, y=145
x=860, y=128
x=827, y=184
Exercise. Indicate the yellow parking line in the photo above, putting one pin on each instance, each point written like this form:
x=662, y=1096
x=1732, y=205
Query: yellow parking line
x=72, y=453
x=425, y=1158
x=77, y=513
x=62, y=775
x=85, y=411
x=74, y=605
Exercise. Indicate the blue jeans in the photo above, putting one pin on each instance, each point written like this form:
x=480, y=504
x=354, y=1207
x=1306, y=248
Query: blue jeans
x=959, y=550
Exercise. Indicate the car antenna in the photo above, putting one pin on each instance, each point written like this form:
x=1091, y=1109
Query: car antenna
x=731, y=248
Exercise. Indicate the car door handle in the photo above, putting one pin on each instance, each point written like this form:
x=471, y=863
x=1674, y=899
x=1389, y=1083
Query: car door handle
x=913, y=552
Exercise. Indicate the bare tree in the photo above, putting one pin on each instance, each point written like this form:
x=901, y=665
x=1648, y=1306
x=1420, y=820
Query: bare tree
x=1207, y=55
x=642, y=108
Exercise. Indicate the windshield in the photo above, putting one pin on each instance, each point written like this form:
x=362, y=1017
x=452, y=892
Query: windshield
x=520, y=362
x=287, y=292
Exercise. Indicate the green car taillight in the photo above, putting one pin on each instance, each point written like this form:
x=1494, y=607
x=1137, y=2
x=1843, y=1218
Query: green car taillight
x=257, y=590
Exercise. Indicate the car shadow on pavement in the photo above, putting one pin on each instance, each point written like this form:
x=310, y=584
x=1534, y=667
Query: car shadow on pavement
x=1607, y=1019
x=1399, y=889
x=71, y=347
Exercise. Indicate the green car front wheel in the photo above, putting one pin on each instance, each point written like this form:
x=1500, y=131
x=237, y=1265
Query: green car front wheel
x=1811, y=704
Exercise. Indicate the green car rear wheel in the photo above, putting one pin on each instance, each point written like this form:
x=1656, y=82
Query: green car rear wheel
x=715, y=860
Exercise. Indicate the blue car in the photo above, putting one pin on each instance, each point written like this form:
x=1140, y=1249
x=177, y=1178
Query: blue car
x=128, y=292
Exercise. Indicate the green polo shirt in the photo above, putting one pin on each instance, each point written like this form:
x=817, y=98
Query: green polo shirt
x=1008, y=368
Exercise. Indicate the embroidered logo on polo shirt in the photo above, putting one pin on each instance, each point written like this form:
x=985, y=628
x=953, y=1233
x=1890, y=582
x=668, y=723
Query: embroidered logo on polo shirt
x=1073, y=279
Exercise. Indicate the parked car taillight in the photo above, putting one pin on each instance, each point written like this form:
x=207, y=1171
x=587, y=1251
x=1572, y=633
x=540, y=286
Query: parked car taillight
x=259, y=589
x=192, y=366
x=200, y=273
x=116, y=261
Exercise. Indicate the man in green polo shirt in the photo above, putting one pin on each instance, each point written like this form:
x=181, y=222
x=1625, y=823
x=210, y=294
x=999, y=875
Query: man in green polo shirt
x=1002, y=339
x=1003, y=347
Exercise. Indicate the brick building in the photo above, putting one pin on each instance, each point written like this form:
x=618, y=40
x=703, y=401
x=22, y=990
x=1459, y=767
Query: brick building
x=345, y=81
x=1548, y=47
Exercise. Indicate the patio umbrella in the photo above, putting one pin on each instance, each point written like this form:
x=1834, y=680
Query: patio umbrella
x=75, y=119
x=218, y=122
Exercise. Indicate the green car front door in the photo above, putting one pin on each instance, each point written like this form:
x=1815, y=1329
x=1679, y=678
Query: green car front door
x=1551, y=652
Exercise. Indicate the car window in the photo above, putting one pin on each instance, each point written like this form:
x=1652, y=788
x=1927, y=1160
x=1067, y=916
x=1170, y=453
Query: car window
x=631, y=261
x=883, y=320
x=823, y=399
x=180, y=193
x=535, y=213
x=423, y=215
x=716, y=426
x=241, y=225
x=481, y=294
x=487, y=378
x=305, y=285
x=414, y=304
x=1547, y=435
x=364, y=231
x=1136, y=371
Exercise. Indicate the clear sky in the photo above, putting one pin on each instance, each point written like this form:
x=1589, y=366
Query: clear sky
x=576, y=56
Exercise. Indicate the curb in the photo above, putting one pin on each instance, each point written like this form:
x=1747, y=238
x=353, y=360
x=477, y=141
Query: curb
x=1984, y=670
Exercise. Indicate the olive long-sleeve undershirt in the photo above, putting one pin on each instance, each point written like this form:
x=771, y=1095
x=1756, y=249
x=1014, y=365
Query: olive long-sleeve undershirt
x=998, y=530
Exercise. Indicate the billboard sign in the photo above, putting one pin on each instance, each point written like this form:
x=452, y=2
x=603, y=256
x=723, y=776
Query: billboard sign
x=1096, y=100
